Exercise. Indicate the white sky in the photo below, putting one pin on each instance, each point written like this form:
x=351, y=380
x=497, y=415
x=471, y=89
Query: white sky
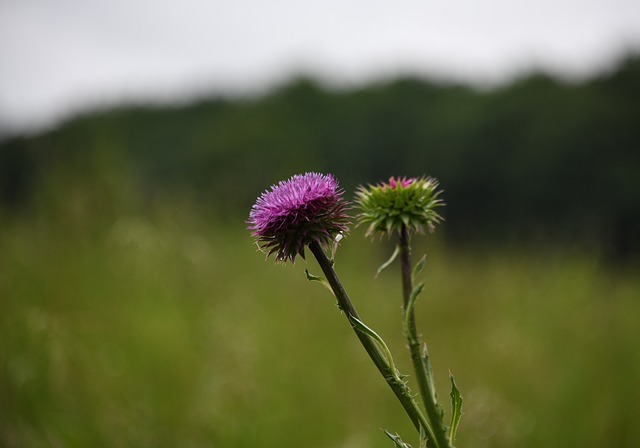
x=58, y=56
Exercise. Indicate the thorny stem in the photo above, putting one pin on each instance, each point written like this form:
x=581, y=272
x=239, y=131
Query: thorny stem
x=420, y=363
x=399, y=388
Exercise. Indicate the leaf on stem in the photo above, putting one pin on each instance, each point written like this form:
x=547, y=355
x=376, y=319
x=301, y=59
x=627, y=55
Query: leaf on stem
x=409, y=308
x=361, y=327
x=408, y=312
x=417, y=269
x=414, y=295
x=456, y=410
x=398, y=442
x=427, y=366
x=387, y=263
x=315, y=278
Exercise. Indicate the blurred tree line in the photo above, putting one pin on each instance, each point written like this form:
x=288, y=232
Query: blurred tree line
x=538, y=159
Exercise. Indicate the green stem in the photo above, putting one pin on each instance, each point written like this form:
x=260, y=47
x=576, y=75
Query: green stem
x=399, y=388
x=420, y=363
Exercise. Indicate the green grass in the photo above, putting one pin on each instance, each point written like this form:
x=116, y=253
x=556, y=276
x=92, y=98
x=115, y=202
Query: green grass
x=171, y=331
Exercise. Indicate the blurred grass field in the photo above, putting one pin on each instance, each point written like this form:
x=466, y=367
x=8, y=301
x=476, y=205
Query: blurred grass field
x=165, y=330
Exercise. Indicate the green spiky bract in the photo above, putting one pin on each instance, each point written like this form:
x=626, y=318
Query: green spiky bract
x=386, y=207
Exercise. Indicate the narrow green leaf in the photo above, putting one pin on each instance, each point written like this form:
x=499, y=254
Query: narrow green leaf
x=311, y=277
x=417, y=269
x=315, y=278
x=408, y=310
x=456, y=410
x=397, y=441
x=387, y=263
x=360, y=326
x=412, y=300
x=426, y=361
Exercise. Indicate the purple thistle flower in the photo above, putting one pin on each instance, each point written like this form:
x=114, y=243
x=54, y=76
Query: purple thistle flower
x=305, y=208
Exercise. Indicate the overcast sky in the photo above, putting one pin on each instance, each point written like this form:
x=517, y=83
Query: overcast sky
x=59, y=56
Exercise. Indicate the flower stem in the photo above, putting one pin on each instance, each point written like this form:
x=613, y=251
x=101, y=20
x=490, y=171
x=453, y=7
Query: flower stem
x=421, y=363
x=399, y=388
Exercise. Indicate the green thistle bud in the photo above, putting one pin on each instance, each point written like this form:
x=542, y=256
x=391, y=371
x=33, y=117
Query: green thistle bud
x=410, y=202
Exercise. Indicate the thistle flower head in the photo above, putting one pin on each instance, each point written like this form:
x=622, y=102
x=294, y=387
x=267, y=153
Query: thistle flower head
x=388, y=206
x=294, y=213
